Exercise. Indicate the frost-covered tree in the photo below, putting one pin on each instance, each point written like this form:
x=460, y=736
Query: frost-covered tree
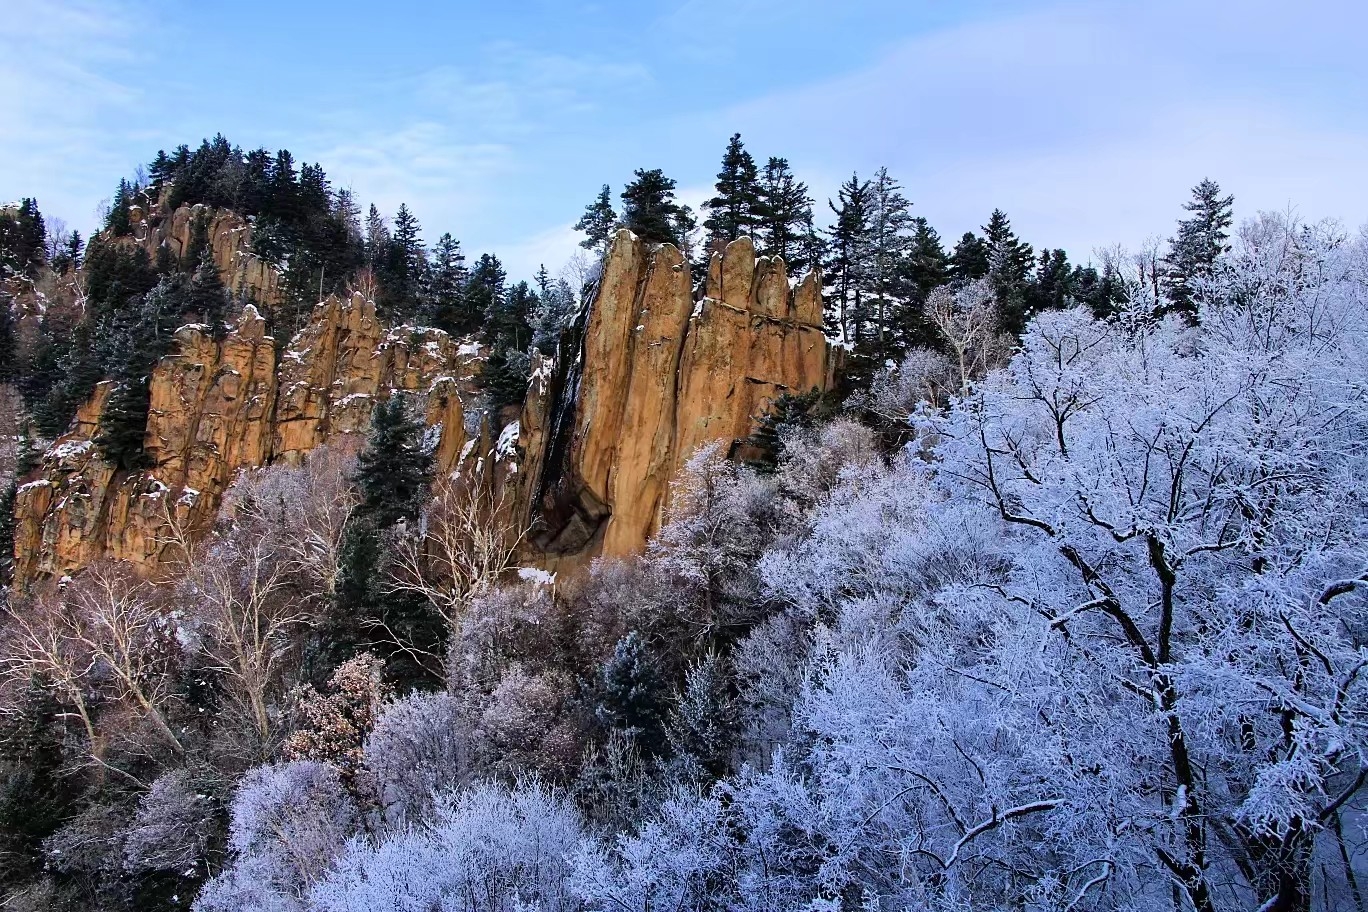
x=485, y=850
x=290, y=823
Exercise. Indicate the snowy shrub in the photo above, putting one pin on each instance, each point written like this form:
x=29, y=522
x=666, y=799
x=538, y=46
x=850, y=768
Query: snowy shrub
x=172, y=827
x=485, y=850
x=418, y=748
x=289, y=823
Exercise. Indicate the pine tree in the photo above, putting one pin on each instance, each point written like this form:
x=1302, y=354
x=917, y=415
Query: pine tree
x=553, y=316
x=1199, y=243
x=377, y=239
x=733, y=211
x=783, y=215
x=123, y=420
x=890, y=219
x=704, y=720
x=199, y=245
x=508, y=332
x=9, y=367
x=1009, y=263
x=394, y=470
x=925, y=268
x=969, y=261
x=847, y=263
x=118, y=222
x=484, y=293
x=632, y=699
x=649, y=209
x=445, y=306
x=403, y=266
x=598, y=222
x=207, y=297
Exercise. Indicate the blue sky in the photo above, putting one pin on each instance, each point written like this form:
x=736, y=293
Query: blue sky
x=498, y=121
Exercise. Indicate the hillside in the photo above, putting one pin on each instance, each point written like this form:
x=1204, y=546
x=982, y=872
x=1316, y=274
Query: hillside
x=750, y=566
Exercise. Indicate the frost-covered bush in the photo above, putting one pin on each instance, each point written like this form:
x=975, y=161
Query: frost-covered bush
x=485, y=850
x=289, y=823
x=420, y=747
x=172, y=827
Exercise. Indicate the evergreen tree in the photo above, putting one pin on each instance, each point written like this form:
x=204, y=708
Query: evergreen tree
x=1200, y=241
x=484, y=291
x=1009, y=264
x=704, y=720
x=783, y=215
x=23, y=239
x=598, y=222
x=123, y=420
x=207, y=297
x=395, y=468
x=1051, y=288
x=733, y=211
x=508, y=332
x=649, y=209
x=377, y=239
x=553, y=316
x=632, y=697
x=925, y=268
x=445, y=306
x=402, y=268
x=199, y=245
x=9, y=365
x=969, y=261
x=890, y=219
x=847, y=263
x=118, y=222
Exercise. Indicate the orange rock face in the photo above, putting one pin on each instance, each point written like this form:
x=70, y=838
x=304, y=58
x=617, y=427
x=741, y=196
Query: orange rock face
x=587, y=468
x=219, y=406
x=660, y=376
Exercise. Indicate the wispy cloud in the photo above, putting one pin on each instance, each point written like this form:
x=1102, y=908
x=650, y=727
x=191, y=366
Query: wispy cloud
x=62, y=70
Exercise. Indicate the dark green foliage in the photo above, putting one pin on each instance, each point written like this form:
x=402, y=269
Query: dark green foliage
x=445, y=307
x=632, y=698
x=199, y=242
x=598, y=222
x=23, y=240
x=34, y=797
x=789, y=412
x=1009, y=266
x=508, y=333
x=649, y=209
x=9, y=367
x=207, y=298
x=394, y=470
x=117, y=222
x=734, y=211
x=68, y=256
x=784, y=216
x=401, y=269
x=969, y=261
x=925, y=268
x=139, y=338
x=1201, y=239
x=847, y=264
x=123, y=423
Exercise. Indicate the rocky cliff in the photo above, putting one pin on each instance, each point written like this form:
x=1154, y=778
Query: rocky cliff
x=658, y=376
x=655, y=375
x=219, y=406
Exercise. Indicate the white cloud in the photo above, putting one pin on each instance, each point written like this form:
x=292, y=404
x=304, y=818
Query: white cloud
x=1088, y=123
